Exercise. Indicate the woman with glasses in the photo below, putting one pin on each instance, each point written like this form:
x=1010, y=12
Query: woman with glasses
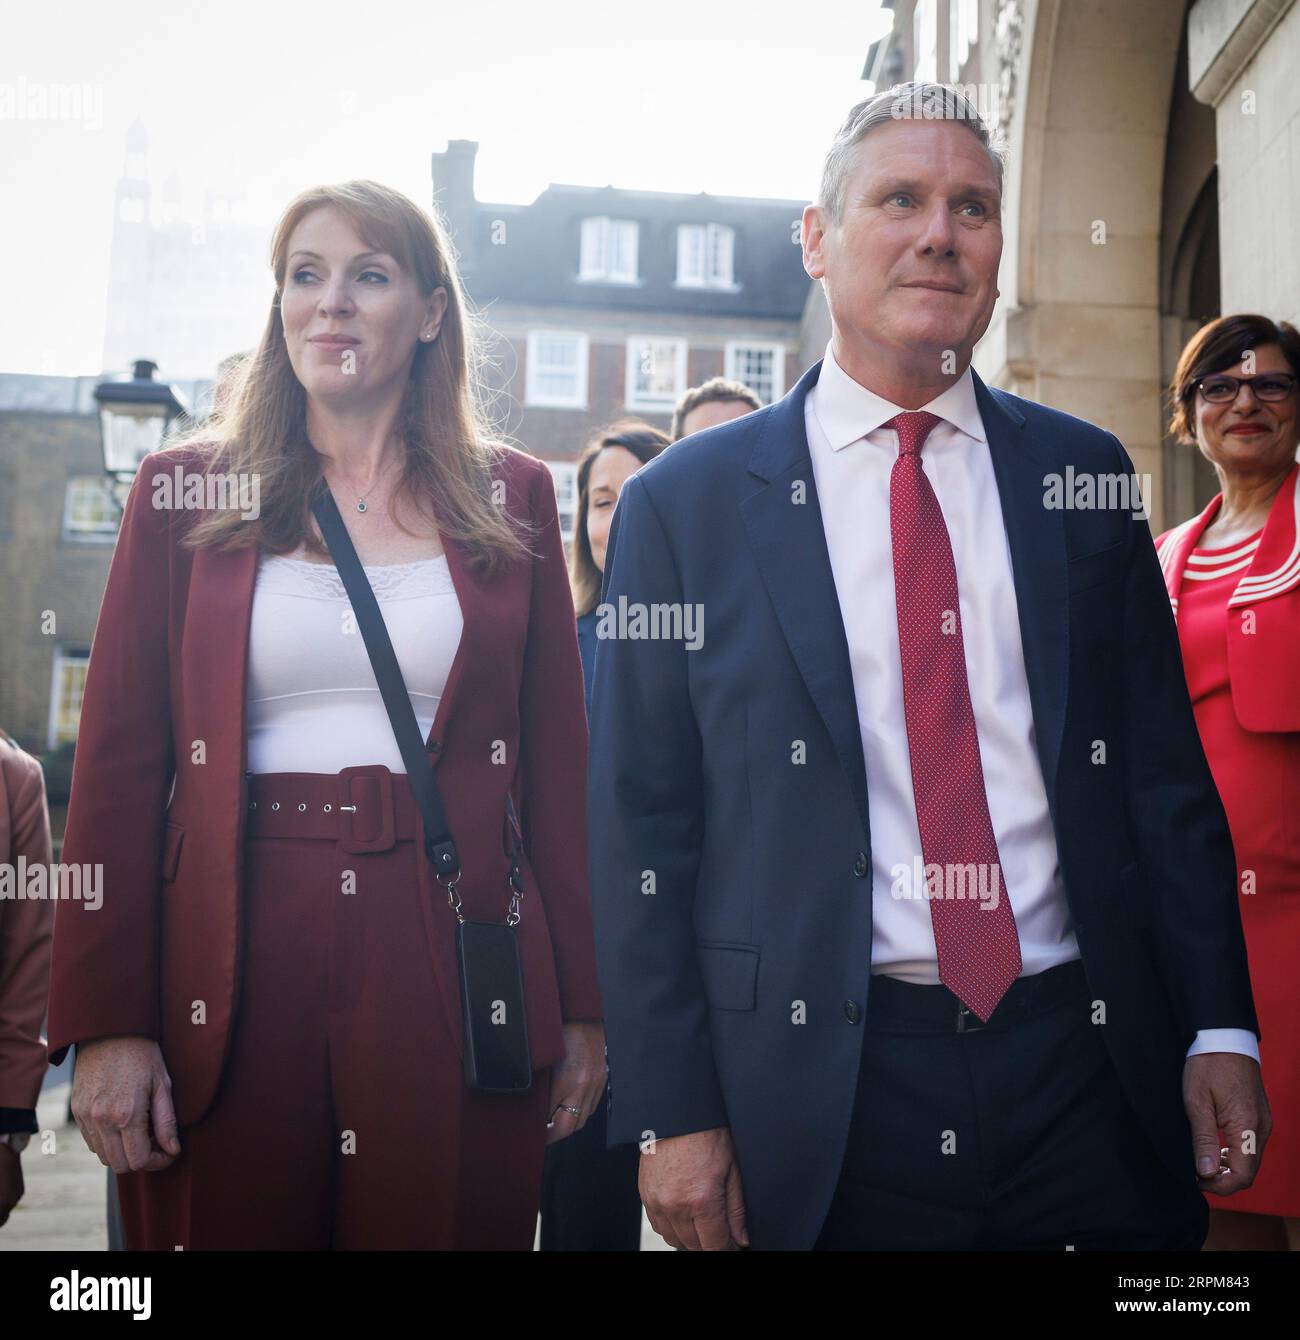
x=1233, y=575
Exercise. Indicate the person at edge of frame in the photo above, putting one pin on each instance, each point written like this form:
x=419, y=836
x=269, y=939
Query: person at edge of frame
x=915, y=672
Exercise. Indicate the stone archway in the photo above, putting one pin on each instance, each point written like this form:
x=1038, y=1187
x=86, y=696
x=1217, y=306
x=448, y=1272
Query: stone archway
x=1189, y=271
x=1091, y=84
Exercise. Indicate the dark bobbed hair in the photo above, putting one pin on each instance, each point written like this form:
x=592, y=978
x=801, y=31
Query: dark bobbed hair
x=1217, y=346
x=645, y=443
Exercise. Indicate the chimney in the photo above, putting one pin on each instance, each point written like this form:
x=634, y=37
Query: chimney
x=453, y=197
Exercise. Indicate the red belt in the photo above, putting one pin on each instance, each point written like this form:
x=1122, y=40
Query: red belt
x=363, y=809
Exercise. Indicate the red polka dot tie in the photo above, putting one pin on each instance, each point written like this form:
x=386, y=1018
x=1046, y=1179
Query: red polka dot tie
x=974, y=932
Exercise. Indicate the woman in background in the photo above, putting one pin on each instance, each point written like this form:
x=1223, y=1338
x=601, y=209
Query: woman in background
x=1233, y=575
x=590, y=1200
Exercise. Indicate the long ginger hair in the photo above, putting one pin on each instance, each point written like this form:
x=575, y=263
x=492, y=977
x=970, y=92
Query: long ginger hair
x=258, y=424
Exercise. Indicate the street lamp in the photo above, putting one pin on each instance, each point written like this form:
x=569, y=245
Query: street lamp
x=134, y=417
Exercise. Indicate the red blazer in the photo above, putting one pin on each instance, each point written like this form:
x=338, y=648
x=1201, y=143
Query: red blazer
x=25, y=925
x=1263, y=650
x=167, y=670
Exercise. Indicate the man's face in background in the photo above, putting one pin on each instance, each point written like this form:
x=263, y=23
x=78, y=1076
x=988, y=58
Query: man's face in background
x=712, y=413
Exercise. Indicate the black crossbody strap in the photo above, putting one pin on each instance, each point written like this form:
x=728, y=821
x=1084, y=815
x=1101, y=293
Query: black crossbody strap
x=439, y=846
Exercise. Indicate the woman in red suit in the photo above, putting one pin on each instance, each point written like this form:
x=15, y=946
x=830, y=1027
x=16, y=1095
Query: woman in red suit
x=1233, y=575
x=266, y=1005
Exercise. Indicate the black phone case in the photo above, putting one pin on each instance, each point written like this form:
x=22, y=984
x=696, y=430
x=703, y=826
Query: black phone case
x=497, y=1059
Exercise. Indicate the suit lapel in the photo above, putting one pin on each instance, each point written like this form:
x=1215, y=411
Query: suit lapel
x=1174, y=548
x=214, y=674
x=1036, y=540
x=216, y=658
x=789, y=547
x=474, y=597
x=1275, y=568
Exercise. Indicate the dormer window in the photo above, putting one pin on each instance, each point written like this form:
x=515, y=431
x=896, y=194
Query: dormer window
x=608, y=252
x=705, y=253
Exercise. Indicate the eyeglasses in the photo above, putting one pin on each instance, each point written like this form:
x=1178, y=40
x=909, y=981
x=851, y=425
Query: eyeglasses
x=1222, y=389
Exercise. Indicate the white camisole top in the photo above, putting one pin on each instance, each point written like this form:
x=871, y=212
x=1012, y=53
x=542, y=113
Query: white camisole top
x=312, y=702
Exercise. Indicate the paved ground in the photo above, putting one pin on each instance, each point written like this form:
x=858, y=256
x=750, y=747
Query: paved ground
x=64, y=1208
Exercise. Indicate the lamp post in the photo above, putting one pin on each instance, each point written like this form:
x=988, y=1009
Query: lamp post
x=134, y=418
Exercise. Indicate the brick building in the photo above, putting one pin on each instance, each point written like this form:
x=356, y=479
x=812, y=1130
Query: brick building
x=58, y=525
x=601, y=302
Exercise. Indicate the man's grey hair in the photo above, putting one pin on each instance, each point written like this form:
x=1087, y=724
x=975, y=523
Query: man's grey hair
x=914, y=101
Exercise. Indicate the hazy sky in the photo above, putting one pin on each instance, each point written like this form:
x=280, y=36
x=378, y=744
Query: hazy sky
x=735, y=97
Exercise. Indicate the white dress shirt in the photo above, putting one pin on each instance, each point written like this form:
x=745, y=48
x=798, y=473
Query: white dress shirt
x=852, y=458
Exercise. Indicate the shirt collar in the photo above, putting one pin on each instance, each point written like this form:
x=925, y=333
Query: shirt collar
x=847, y=411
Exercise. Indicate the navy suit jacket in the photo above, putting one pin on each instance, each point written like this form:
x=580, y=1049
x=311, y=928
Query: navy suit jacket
x=729, y=889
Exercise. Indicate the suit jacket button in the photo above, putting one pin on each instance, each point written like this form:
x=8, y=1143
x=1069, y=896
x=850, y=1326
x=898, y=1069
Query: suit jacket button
x=851, y=1011
x=861, y=865
x=435, y=746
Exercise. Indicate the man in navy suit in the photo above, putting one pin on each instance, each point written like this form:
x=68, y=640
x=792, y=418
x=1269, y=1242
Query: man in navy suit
x=915, y=902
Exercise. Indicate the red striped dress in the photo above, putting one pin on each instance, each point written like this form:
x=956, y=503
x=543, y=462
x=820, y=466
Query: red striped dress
x=1256, y=773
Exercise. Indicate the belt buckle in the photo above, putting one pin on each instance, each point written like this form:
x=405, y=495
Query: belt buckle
x=349, y=808
x=964, y=1015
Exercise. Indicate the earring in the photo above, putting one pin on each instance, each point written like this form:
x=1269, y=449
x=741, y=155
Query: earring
x=426, y=335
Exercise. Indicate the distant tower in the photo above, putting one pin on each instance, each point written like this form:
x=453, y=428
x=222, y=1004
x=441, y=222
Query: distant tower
x=170, y=199
x=129, y=289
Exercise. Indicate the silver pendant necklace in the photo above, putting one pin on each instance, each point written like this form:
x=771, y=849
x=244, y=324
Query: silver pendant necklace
x=362, y=505
x=361, y=501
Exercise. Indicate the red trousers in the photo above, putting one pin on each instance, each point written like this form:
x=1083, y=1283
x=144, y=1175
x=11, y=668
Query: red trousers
x=343, y=1120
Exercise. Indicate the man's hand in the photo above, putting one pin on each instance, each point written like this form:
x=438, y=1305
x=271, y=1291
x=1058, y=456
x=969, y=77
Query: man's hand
x=121, y=1097
x=11, y=1180
x=1222, y=1091
x=577, y=1081
x=690, y=1186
